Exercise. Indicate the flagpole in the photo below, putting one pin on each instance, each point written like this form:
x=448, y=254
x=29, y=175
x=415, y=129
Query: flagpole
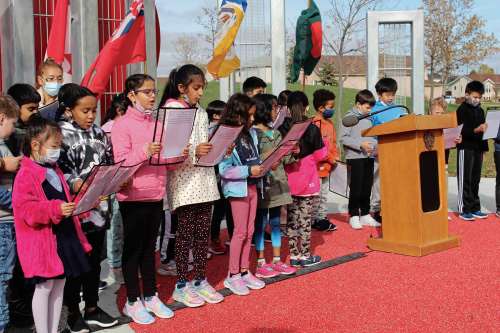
x=303, y=81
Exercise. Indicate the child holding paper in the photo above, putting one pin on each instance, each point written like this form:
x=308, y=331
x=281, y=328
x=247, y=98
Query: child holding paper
x=50, y=243
x=359, y=157
x=304, y=183
x=276, y=193
x=141, y=199
x=470, y=152
x=85, y=145
x=191, y=191
x=240, y=172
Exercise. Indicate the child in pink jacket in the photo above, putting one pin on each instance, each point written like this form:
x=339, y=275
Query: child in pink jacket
x=141, y=199
x=304, y=183
x=50, y=243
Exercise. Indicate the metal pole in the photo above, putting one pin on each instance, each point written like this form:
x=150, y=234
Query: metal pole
x=226, y=84
x=278, y=46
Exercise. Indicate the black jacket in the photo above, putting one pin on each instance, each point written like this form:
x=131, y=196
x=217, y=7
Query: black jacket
x=310, y=141
x=471, y=117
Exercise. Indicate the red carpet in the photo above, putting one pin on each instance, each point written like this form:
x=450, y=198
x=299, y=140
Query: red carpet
x=453, y=291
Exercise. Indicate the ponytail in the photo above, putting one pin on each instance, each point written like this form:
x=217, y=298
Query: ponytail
x=184, y=75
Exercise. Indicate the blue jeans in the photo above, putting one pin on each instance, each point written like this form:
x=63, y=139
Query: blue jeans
x=114, y=241
x=7, y=261
x=264, y=215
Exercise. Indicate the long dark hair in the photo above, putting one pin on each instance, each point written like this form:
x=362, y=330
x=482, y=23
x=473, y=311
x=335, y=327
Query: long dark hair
x=69, y=95
x=184, y=75
x=264, y=108
x=134, y=82
x=119, y=102
x=297, y=104
x=236, y=111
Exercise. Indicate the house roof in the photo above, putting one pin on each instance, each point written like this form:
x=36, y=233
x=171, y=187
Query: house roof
x=483, y=77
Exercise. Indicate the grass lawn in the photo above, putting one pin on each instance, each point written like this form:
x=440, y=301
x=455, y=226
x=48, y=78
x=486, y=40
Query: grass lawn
x=212, y=93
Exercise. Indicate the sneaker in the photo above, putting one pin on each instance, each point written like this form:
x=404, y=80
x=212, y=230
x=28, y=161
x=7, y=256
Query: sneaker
x=138, y=313
x=156, y=306
x=252, y=282
x=217, y=248
x=103, y=285
x=100, y=318
x=310, y=261
x=169, y=269
x=355, y=223
x=236, y=284
x=497, y=214
x=331, y=227
x=188, y=296
x=266, y=271
x=377, y=217
x=295, y=262
x=466, y=216
x=207, y=292
x=76, y=323
x=369, y=221
x=283, y=268
x=480, y=215
x=449, y=218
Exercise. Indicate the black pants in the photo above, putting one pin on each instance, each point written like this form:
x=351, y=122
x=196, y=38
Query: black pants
x=174, y=222
x=497, y=185
x=360, y=185
x=221, y=208
x=469, y=164
x=141, y=222
x=88, y=283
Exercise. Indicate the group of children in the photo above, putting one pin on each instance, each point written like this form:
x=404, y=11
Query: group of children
x=45, y=159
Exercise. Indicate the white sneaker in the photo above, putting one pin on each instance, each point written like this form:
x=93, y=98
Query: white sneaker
x=369, y=221
x=354, y=222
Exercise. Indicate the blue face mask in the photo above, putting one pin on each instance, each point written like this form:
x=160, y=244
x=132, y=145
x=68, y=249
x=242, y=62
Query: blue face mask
x=52, y=88
x=328, y=113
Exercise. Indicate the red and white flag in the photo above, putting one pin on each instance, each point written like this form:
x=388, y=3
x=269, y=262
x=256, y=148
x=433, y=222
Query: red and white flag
x=58, y=46
x=127, y=45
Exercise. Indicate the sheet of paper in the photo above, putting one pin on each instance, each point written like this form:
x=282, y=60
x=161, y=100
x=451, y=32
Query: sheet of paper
x=177, y=130
x=493, y=121
x=297, y=130
x=223, y=137
x=122, y=176
x=339, y=180
x=280, y=118
x=281, y=151
x=450, y=135
x=95, y=187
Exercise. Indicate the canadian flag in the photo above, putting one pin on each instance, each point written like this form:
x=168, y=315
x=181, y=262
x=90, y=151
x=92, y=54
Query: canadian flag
x=59, y=44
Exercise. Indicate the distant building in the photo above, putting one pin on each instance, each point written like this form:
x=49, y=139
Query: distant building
x=456, y=87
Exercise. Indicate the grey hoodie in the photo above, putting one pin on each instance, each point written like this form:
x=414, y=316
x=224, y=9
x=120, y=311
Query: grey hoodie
x=351, y=138
x=6, y=181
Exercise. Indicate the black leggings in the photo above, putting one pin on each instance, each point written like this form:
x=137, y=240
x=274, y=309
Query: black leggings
x=360, y=185
x=192, y=231
x=141, y=222
x=88, y=282
x=221, y=208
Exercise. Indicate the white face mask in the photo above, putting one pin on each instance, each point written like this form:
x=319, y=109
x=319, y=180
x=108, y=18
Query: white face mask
x=474, y=102
x=51, y=156
x=141, y=108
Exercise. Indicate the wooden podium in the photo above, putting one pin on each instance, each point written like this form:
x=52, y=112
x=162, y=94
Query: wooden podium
x=413, y=185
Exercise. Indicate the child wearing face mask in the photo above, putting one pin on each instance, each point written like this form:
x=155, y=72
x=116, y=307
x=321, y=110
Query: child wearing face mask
x=50, y=242
x=85, y=145
x=49, y=79
x=470, y=152
x=191, y=191
x=324, y=104
x=141, y=199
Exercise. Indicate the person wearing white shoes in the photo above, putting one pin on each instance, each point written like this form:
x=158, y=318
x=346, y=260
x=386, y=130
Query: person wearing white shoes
x=359, y=152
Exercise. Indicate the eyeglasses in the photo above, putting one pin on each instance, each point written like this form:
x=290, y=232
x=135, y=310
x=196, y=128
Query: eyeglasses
x=147, y=92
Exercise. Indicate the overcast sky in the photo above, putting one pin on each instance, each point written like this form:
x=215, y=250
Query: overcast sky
x=181, y=18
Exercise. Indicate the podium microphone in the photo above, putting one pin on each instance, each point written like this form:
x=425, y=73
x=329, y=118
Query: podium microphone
x=353, y=120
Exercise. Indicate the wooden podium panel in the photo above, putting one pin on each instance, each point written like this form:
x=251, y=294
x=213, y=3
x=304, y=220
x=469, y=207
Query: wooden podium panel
x=413, y=186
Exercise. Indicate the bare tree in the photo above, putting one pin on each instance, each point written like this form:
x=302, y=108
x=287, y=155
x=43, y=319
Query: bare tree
x=454, y=37
x=187, y=50
x=208, y=21
x=344, y=23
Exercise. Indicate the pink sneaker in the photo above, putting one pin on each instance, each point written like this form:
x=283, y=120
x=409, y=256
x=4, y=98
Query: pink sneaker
x=266, y=271
x=283, y=268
